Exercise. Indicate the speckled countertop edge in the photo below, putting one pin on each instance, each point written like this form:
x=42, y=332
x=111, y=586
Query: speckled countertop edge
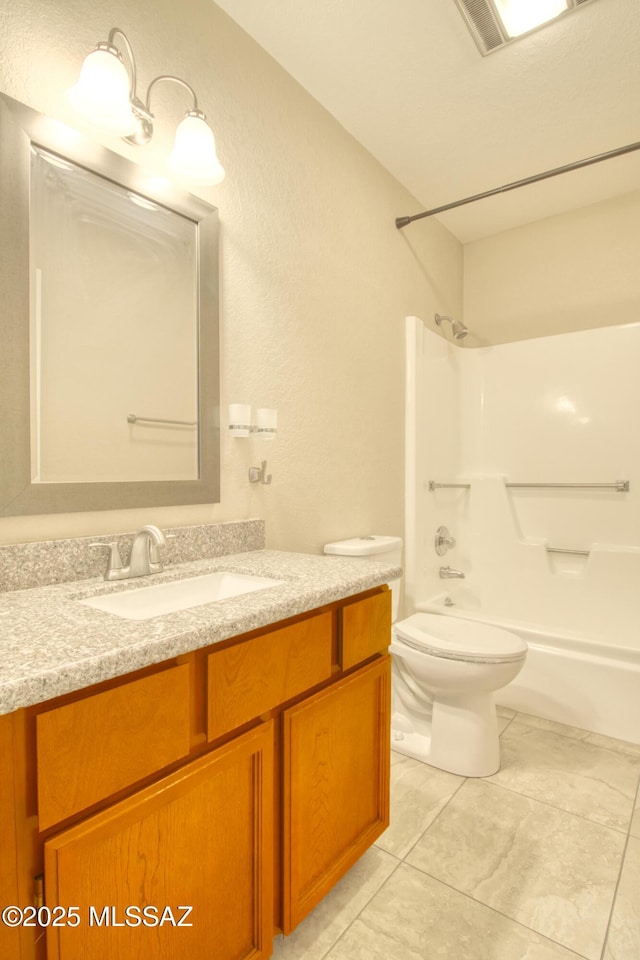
x=52, y=645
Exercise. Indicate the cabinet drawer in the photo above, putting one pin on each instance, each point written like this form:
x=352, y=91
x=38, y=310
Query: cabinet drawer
x=254, y=676
x=366, y=628
x=91, y=748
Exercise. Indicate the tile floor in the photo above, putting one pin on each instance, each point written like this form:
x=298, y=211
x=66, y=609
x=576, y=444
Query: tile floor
x=539, y=862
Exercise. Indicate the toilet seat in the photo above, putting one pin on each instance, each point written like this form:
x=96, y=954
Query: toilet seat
x=454, y=639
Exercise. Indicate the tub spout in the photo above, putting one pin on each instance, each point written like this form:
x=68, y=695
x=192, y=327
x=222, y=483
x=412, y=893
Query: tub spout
x=448, y=573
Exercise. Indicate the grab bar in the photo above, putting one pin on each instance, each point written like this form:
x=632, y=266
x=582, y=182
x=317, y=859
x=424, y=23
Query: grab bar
x=437, y=486
x=577, y=553
x=622, y=486
x=132, y=418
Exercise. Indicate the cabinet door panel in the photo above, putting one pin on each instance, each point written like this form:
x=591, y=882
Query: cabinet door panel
x=91, y=748
x=366, y=628
x=202, y=837
x=336, y=784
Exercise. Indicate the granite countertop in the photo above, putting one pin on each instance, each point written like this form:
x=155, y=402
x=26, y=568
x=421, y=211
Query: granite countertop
x=52, y=645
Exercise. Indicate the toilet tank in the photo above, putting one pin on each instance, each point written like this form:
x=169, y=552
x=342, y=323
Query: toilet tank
x=385, y=549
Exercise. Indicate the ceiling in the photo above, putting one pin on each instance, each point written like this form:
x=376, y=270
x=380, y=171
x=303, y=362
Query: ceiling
x=405, y=78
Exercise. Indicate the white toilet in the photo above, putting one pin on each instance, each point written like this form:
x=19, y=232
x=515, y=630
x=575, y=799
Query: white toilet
x=445, y=671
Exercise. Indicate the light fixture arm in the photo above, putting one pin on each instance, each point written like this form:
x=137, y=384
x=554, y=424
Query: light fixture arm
x=143, y=108
x=183, y=83
x=145, y=115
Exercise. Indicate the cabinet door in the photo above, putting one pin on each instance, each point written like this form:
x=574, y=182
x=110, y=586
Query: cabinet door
x=335, y=784
x=200, y=838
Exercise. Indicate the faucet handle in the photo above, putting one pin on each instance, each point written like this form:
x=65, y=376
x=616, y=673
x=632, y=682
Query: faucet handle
x=115, y=560
x=443, y=541
x=155, y=550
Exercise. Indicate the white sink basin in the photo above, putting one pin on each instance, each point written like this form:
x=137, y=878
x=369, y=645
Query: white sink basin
x=147, y=602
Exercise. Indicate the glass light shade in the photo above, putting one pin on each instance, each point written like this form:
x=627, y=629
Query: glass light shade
x=102, y=93
x=519, y=16
x=194, y=152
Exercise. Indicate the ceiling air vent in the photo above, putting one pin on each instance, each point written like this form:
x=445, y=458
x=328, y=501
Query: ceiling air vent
x=491, y=22
x=484, y=24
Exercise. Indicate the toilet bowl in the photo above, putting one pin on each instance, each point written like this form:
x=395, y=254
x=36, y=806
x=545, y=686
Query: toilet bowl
x=445, y=671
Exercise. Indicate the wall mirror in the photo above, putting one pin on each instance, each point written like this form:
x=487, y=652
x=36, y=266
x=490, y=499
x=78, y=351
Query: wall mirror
x=109, y=328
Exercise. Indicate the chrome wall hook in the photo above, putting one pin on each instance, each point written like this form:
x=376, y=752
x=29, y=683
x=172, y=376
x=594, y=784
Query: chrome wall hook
x=259, y=474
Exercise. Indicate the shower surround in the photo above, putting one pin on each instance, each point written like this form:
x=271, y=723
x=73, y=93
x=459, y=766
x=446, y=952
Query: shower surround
x=555, y=410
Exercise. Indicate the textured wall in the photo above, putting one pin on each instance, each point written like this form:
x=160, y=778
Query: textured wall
x=571, y=272
x=315, y=279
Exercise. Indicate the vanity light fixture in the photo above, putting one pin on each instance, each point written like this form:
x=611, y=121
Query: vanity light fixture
x=240, y=425
x=106, y=93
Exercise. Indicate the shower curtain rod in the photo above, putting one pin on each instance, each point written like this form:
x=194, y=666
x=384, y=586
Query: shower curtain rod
x=619, y=151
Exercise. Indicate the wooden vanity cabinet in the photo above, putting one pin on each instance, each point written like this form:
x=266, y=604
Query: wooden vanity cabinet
x=242, y=780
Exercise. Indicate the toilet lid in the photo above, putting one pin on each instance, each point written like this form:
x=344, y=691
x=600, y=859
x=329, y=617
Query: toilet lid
x=457, y=639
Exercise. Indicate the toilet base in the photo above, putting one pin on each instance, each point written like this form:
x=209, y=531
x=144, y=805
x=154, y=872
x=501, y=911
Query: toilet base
x=462, y=739
x=414, y=745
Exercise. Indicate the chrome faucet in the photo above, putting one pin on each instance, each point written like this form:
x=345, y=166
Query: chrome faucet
x=448, y=573
x=144, y=558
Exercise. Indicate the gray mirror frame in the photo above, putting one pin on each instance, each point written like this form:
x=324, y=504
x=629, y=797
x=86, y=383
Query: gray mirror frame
x=19, y=127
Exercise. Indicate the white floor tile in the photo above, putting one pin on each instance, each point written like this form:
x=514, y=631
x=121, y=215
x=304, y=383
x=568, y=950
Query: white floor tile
x=414, y=917
x=623, y=941
x=319, y=931
x=418, y=794
x=593, y=782
x=549, y=870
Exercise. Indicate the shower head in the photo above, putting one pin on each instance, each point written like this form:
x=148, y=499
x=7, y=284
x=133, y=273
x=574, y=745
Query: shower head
x=458, y=328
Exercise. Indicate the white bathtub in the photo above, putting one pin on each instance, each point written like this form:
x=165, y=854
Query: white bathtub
x=572, y=679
